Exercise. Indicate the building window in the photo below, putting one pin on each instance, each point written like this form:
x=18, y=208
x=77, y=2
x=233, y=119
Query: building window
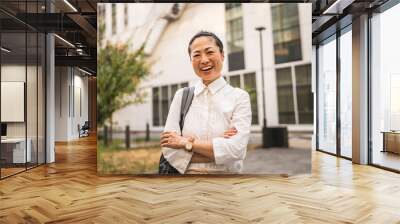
x=101, y=24
x=162, y=99
x=113, y=18
x=156, y=114
x=234, y=80
x=304, y=94
x=327, y=95
x=285, y=96
x=164, y=103
x=232, y=5
x=126, y=15
x=345, y=92
x=295, y=99
x=248, y=83
x=286, y=33
x=234, y=29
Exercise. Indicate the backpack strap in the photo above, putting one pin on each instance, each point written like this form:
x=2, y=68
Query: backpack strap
x=187, y=98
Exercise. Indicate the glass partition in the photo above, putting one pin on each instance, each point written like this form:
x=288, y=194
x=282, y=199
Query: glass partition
x=14, y=153
x=41, y=86
x=31, y=97
x=22, y=88
x=385, y=89
x=327, y=96
x=346, y=93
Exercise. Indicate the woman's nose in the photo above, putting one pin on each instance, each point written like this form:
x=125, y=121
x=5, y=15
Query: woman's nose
x=204, y=59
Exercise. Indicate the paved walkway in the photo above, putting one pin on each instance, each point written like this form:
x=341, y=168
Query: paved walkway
x=278, y=161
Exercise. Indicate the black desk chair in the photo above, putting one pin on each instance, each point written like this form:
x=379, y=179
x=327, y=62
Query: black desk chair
x=84, y=130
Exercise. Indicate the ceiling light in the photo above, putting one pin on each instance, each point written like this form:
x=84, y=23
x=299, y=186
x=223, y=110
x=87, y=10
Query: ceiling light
x=70, y=5
x=64, y=40
x=5, y=49
x=86, y=72
x=337, y=7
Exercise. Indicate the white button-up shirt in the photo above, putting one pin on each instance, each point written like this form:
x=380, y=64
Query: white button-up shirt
x=213, y=111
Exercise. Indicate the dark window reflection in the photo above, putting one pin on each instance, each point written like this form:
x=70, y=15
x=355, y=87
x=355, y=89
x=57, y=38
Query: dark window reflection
x=286, y=32
x=304, y=94
x=285, y=96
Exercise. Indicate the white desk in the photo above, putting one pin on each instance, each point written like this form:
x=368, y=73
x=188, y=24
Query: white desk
x=19, y=149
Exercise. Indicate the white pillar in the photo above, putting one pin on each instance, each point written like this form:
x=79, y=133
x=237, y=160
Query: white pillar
x=50, y=93
x=314, y=91
x=50, y=99
x=360, y=90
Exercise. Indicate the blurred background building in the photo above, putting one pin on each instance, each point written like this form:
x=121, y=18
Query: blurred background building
x=167, y=29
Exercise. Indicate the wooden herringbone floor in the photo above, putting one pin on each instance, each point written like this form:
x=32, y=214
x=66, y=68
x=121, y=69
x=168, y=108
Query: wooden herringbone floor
x=70, y=191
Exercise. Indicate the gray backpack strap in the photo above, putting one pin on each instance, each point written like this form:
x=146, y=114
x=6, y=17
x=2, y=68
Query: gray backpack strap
x=187, y=98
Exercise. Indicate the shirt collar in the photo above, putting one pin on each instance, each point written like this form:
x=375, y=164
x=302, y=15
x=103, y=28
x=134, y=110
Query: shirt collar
x=213, y=87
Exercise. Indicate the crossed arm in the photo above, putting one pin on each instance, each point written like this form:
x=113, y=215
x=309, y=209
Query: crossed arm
x=203, y=150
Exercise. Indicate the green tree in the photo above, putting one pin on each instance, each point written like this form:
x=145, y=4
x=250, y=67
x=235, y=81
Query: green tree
x=119, y=74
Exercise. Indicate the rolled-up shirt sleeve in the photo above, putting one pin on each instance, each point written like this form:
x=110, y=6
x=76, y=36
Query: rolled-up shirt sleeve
x=229, y=150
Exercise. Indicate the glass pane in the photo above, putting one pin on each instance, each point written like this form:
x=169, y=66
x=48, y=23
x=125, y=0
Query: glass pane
x=32, y=86
x=31, y=97
x=327, y=97
x=285, y=96
x=304, y=94
x=286, y=33
x=234, y=36
x=231, y=5
x=164, y=104
x=345, y=94
x=14, y=153
x=235, y=81
x=113, y=18
x=41, y=98
x=126, y=16
x=251, y=87
x=287, y=51
x=385, y=91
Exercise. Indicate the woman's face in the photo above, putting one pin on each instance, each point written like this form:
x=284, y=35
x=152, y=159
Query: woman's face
x=206, y=59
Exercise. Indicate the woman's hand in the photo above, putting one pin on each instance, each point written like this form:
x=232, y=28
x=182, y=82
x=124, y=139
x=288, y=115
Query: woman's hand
x=230, y=132
x=171, y=139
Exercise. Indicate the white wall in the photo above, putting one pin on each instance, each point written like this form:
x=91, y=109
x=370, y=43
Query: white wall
x=68, y=82
x=61, y=104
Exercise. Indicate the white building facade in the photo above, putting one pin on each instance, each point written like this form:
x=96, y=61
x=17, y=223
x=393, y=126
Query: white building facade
x=168, y=27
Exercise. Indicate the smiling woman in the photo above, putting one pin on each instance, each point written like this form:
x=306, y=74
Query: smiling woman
x=215, y=135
